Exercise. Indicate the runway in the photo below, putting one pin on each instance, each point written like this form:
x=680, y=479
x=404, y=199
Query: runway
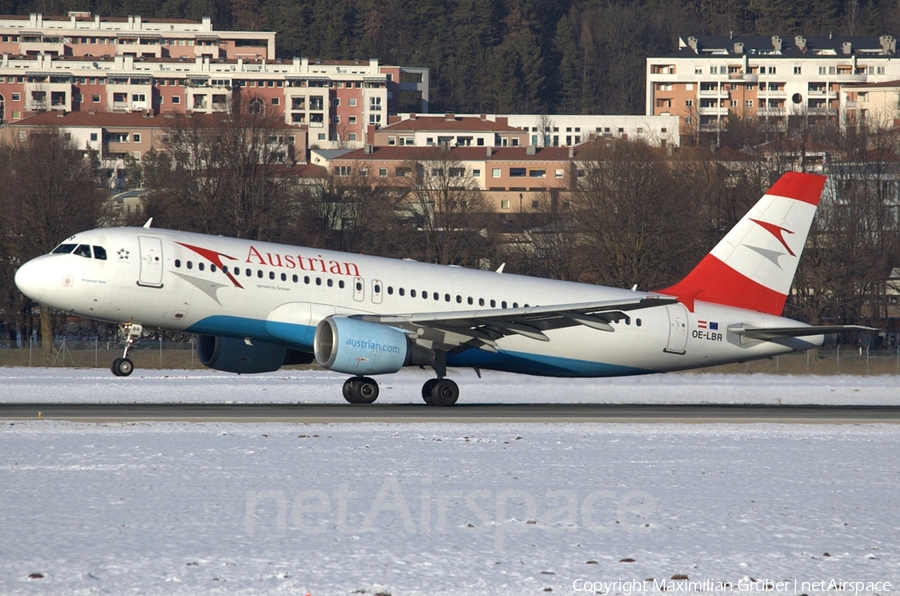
x=460, y=413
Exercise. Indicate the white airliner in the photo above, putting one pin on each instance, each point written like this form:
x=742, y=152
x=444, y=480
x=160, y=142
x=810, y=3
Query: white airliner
x=256, y=306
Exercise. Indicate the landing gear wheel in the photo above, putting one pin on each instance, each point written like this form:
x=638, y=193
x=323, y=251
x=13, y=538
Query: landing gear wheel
x=426, y=391
x=122, y=367
x=360, y=390
x=444, y=392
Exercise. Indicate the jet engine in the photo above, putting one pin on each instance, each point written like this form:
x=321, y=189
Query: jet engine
x=362, y=348
x=239, y=356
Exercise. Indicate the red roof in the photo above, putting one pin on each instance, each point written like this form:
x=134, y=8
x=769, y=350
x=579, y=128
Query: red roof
x=449, y=123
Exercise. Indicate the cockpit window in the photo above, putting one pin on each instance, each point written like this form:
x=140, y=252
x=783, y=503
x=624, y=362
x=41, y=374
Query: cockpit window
x=83, y=250
x=63, y=249
x=100, y=253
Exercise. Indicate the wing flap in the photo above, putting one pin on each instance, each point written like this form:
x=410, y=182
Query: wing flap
x=481, y=328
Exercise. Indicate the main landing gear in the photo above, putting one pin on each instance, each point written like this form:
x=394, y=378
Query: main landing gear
x=360, y=390
x=122, y=367
x=435, y=392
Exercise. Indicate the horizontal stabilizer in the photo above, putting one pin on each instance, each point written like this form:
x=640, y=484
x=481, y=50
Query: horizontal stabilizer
x=770, y=333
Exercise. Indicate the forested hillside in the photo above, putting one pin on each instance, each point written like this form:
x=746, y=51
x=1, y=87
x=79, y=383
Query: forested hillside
x=507, y=56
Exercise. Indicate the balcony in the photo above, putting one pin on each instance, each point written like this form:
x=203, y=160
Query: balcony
x=852, y=78
x=741, y=77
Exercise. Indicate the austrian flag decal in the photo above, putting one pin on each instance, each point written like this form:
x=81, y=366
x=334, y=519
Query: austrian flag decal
x=707, y=325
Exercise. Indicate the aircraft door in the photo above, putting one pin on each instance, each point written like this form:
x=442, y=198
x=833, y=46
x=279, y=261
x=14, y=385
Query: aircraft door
x=359, y=289
x=151, y=262
x=376, y=291
x=678, y=328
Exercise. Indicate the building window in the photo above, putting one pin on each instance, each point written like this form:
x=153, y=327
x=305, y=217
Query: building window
x=748, y=103
x=504, y=204
x=495, y=173
x=689, y=103
x=351, y=136
x=275, y=101
x=351, y=102
x=176, y=99
x=16, y=97
x=382, y=172
x=93, y=136
x=798, y=70
x=351, y=119
x=136, y=137
x=476, y=173
x=517, y=172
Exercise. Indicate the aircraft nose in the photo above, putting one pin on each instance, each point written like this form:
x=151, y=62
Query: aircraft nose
x=31, y=280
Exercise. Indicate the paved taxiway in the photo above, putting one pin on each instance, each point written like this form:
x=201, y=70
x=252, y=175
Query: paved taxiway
x=468, y=413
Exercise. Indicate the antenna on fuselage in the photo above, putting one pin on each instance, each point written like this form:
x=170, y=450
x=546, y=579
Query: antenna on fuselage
x=500, y=268
x=149, y=221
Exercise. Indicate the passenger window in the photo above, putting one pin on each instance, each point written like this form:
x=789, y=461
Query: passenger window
x=515, y=305
x=493, y=304
x=100, y=253
x=212, y=268
x=412, y=293
x=401, y=291
x=341, y=284
x=295, y=279
x=248, y=272
x=446, y=297
x=284, y=277
x=503, y=304
x=458, y=299
x=377, y=289
x=83, y=250
x=470, y=301
x=237, y=271
x=259, y=273
x=481, y=302
x=177, y=263
x=224, y=268
x=318, y=281
x=637, y=322
x=190, y=264
x=63, y=249
x=330, y=282
x=271, y=275
x=201, y=266
x=306, y=279
x=391, y=290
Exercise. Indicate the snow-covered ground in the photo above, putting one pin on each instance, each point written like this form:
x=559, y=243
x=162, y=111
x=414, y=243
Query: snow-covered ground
x=317, y=386
x=179, y=508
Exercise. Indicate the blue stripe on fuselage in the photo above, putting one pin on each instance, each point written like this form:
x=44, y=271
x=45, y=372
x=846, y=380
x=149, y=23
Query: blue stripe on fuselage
x=517, y=362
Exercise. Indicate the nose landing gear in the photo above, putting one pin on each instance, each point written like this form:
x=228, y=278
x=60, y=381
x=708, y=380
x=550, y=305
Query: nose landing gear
x=122, y=367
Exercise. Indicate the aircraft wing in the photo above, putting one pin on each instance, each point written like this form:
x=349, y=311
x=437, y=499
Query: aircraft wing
x=770, y=333
x=482, y=328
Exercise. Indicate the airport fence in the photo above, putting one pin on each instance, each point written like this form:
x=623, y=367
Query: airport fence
x=162, y=354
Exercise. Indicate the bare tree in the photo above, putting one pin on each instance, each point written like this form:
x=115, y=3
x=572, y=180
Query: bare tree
x=639, y=222
x=49, y=192
x=452, y=214
x=223, y=174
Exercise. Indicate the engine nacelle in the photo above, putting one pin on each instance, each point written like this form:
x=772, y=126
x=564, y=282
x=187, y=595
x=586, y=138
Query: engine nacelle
x=235, y=355
x=362, y=348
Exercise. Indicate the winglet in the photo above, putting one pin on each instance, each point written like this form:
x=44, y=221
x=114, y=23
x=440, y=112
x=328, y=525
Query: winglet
x=753, y=266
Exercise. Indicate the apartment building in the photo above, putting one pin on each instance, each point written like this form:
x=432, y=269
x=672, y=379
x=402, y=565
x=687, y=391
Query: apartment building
x=770, y=78
x=119, y=137
x=878, y=103
x=566, y=130
x=438, y=130
x=61, y=64
x=512, y=179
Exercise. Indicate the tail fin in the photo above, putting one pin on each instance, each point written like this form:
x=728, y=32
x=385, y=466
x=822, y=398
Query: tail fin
x=753, y=266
